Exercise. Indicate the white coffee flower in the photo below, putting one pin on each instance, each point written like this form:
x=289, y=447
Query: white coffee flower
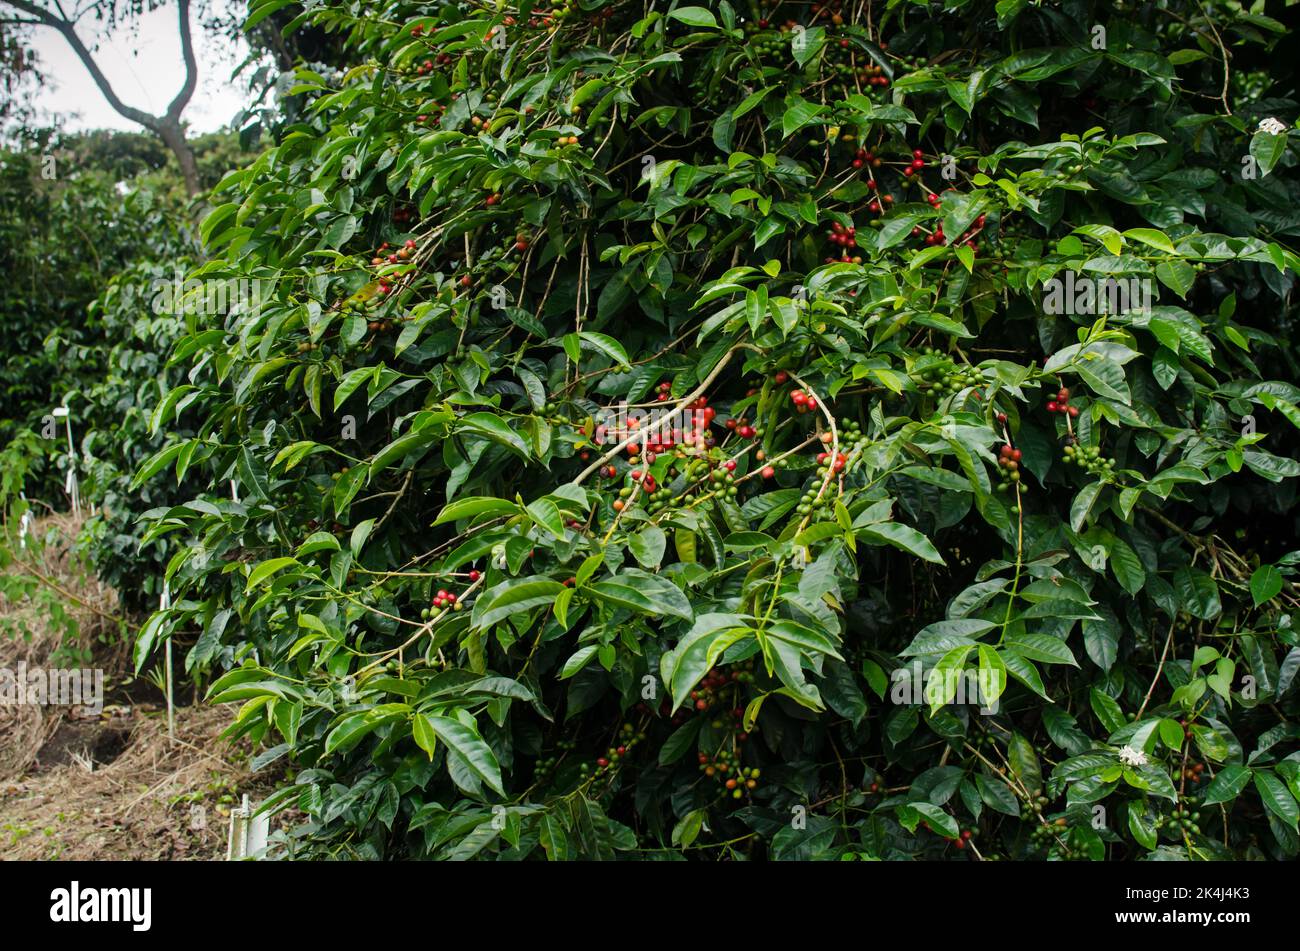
x=1271, y=126
x=1131, y=757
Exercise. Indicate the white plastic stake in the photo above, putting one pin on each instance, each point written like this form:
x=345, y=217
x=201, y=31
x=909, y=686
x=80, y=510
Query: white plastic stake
x=165, y=602
x=70, y=484
x=24, y=524
x=248, y=833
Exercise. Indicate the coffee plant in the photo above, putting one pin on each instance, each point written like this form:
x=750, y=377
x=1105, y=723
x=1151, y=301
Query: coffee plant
x=757, y=430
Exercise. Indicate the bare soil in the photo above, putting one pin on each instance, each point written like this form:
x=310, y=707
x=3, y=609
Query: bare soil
x=115, y=785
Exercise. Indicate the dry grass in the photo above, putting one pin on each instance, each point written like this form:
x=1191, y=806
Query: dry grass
x=115, y=786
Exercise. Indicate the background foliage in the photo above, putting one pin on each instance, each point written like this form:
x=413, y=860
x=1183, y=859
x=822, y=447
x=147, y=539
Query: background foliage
x=498, y=221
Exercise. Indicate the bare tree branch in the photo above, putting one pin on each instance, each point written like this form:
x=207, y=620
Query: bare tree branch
x=166, y=126
x=66, y=27
x=191, y=65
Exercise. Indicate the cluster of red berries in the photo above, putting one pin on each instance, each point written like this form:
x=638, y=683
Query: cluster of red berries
x=965, y=836
x=1062, y=403
x=701, y=405
x=648, y=485
x=726, y=769
x=803, y=402
x=832, y=11
x=918, y=163
x=743, y=429
x=443, y=599
x=492, y=199
x=865, y=157
x=706, y=695
x=845, y=237
x=628, y=738
x=970, y=235
x=877, y=205
x=967, y=237
x=823, y=458
x=442, y=59
x=543, y=21
x=875, y=76
x=388, y=255
x=1009, y=461
x=394, y=256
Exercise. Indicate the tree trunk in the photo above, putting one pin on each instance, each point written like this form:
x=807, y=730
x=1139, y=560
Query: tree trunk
x=173, y=137
x=166, y=126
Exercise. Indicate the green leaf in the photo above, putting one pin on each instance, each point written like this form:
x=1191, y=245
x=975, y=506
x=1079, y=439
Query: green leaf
x=469, y=746
x=472, y=507
x=1107, y=710
x=942, y=685
x=937, y=819
x=1267, y=149
x=606, y=345
x=997, y=795
x=1171, y=733
x=1024, y=763
x=1265, y=584
x=578, y=660
x=1127, y=567
x=513, y=596
x=686, y=664
x=1140, y=824
x=1276, y=797
x=495, y=429
x=1083, y=503
x=645, y=593
x=1043, y=648
x=648, y=546
x=1105, y=378
x=423, y=732
x=1178, y=276
x=1198, y=595
x=267, y=568
x=1227, y=785
x=798, y=114
x=1152, y=237
x=687, y=829
x=695, y=16
x=547, y=515
x=904, y=537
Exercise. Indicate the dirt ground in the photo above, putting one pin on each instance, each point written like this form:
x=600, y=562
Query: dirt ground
x=115, y=785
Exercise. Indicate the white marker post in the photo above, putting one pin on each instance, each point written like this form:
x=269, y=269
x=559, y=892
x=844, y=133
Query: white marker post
x=24, y=523
x=70, y=484
x=165, y=602
x=248, y=833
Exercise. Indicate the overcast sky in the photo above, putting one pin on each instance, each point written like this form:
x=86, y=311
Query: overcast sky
x=144, y=68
